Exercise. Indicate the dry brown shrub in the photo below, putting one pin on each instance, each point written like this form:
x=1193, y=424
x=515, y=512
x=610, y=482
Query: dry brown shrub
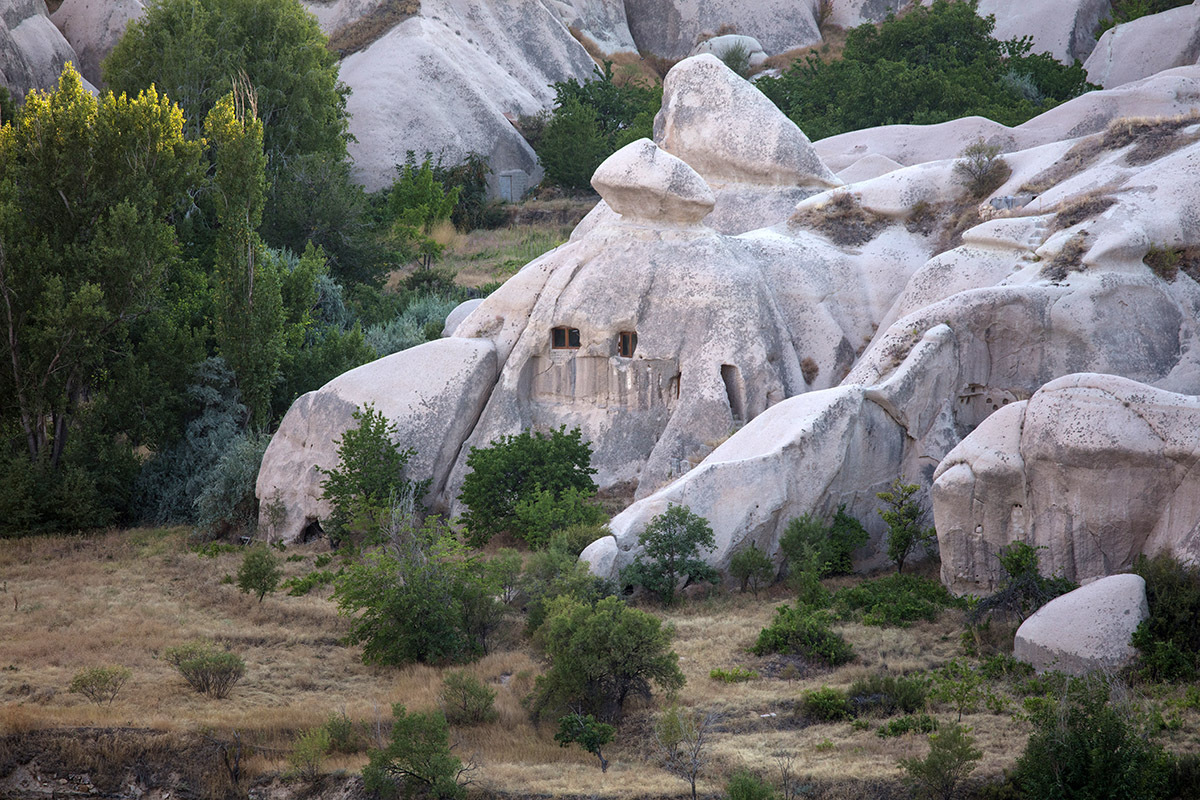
x=661, y=65
x=1154, y=137
x=843, y=219
x=809, y=369
x=1069, y=258
x=960, y=218
x=366, y=30
x=1077, y=209
x=922, y=218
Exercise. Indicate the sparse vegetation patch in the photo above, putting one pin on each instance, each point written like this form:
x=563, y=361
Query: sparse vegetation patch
x=843, y=219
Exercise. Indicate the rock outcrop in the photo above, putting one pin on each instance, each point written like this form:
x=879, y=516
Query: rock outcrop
x=1065, y=30
x=671, y=28
x=93, y=28
x=1085, y=630
x=1095, y=468
x=1146, y=46
x=32, y=51
x=433, y=393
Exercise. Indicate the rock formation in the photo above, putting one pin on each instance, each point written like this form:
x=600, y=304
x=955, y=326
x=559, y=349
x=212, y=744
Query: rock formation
x=93, y=28
x=1097, y=469
x=1146, y=45
x=32, y=51
x=1087, y=629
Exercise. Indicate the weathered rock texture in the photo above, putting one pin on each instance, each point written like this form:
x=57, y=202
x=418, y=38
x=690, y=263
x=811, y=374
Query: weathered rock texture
x=93, y=28
x=1095, y=468
x=433, y=393
x=1062, y=28
x=671, y=27
x=32, y=51
x=1145, y=46
x=1085, y=630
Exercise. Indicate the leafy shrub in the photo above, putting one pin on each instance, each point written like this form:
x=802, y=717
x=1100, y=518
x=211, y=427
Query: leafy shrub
x=584, y=730
x=206, y=667
x=826, y=704
x=466, y=701
x=100, y=684
x=904, y=518
x=557, y=572
x=931, y=65
x=894, y=600
x=227, y=502
x=368, y=477
x=601, y=655
x=909, y=723
x=885, y=695
x=341, y=733
x=1023, y=589
x=804, y=631
x=833, y=544
x=671, y=545
x=308, y=753
x=303, y=584
x=1087, y=744
x=418, y=759
x=957, y=684
x=752, y=568
x=745, y=785
x=541, y=515
x=409, y=328
x=733, y=674
x=1168, y=642
x=999, y=666
x=952, y=757
x=981, y=168
x=516, y=468
x=259, y=572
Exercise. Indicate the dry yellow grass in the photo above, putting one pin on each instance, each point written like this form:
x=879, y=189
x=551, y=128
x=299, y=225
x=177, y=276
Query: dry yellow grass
x=121, y=598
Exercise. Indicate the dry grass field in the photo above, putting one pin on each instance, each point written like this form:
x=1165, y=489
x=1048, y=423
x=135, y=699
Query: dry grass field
x=122, y=598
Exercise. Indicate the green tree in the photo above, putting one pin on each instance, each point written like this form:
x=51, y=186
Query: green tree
x=572, y=146
x=584, y=730
x=752, y=568
x=952, y=757
x=260, y=572
x=419, y=759
x=600, y=655
x=516, y=468
x=88, y=190
x=417, y=202
x=903, y=515
x=671, y=546
x=1086, y=744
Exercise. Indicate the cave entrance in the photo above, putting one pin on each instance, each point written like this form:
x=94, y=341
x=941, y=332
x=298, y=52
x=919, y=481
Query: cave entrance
x=735, y=391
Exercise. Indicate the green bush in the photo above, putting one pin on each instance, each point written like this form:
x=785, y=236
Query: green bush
x=342, y=735
x=807, y=539
x=227, y=503
x=931, y=65
x=408, y=329
x=960, y=686
x=206, y=667
x=894, y=600
x=1169, y=641
x=308, y=753
x=516, y=468
x=745, y=785
x=671, y=545
x=981, y=168
x=542, y=514
x=952, y=757
x=751, y=568
x=804, y=631
x=368, y=477
x=825, y=704
x=885, y=695
x=259, y=573
x=466, y=701
x=1087, y=744
x=904, y=517
x=1023, y=589
x=909, y=723
x=303, y=584
x=584, y=730
x=100, y=684
x=733, y=674
x=417, y=760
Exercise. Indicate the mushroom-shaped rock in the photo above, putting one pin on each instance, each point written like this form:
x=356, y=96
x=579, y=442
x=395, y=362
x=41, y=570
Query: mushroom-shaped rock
x=642, y=182
x=433, y=393
x=1087, y=629
x=729, y=131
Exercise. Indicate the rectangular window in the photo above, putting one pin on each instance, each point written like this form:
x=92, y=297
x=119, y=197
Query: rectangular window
x=564, y=338
x=626, y=343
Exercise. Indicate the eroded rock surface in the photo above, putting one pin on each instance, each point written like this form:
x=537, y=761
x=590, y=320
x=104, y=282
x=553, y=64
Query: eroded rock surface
x=1085, y=630
x=93, y=28
x=1145, y=46
x=32, y=51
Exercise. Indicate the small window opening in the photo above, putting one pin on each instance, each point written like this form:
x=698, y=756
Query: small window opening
x=626, y=343
x=564, y=338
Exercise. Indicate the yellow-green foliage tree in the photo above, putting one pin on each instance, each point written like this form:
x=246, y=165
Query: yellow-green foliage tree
x=88, y=190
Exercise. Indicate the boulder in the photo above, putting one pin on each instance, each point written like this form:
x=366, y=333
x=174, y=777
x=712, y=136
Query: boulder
x=93, y=27
x=464, y=66
x=32, y=50
x=720, y=45
x=602, y=21
x=1097, y=469
x=642, y=182
x=670, y=28
x=1064, y=29
x=458, y=314
x=433, y=393
x=1085, y=630
x=1145, y=46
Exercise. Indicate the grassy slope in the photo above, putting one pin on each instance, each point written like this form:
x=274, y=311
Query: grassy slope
x=122, y=597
